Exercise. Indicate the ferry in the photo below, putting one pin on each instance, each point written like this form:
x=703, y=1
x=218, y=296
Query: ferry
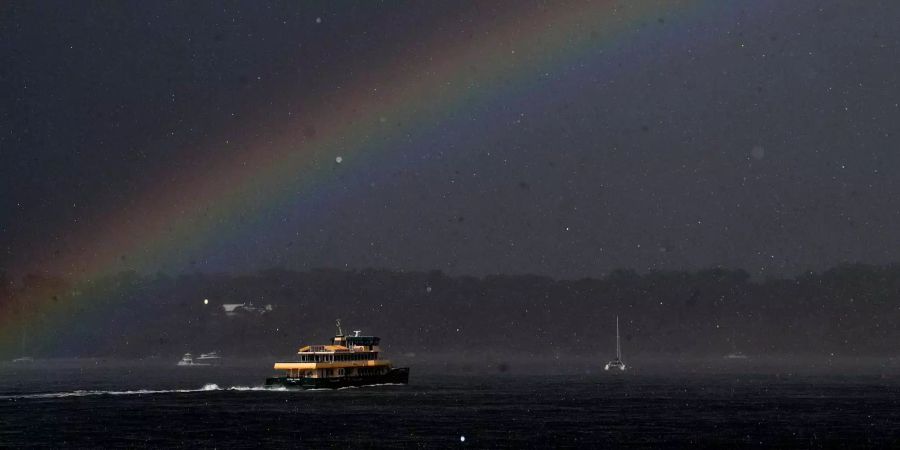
x=349, y=361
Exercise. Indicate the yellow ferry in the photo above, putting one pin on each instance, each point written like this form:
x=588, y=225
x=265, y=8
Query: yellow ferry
x=349, y=361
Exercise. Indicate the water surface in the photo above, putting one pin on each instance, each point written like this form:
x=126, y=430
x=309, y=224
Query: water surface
x=149, y=406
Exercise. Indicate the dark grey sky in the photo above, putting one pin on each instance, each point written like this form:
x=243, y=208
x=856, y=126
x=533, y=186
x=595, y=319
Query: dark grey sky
x=760, y=137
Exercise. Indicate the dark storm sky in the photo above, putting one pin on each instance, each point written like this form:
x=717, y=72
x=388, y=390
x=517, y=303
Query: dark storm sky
x=759, y=137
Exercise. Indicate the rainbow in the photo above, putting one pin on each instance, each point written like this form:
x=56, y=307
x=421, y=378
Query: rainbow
x=191, y=209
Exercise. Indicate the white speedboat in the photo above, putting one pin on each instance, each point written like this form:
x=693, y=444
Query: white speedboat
x=211, y=358
x=616, y=363
x=188, y=360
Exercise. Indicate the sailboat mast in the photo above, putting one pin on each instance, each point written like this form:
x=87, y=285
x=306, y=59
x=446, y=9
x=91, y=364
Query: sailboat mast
x=24, y=320
x=618, y=346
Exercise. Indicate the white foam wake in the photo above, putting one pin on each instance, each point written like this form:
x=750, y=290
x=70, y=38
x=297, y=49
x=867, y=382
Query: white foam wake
x=81, y=393
x=370, y=385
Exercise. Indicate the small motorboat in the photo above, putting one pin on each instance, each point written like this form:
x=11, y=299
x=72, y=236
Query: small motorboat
x=188, y=360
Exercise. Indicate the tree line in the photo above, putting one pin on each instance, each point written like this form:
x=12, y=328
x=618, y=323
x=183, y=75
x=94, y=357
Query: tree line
x=850, y=310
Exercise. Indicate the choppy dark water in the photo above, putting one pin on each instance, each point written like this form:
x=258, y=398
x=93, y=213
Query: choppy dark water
x=222, y=407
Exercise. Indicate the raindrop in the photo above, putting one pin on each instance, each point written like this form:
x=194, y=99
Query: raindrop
x=758, y=152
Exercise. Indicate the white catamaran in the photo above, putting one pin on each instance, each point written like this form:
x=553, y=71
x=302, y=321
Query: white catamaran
x=616, y=363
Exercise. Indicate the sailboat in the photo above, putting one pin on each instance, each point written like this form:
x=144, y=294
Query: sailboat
x=616, y=363
x=23, y=358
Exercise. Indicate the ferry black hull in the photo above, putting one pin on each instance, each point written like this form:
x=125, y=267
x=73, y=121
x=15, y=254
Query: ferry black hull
x=394, y=376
